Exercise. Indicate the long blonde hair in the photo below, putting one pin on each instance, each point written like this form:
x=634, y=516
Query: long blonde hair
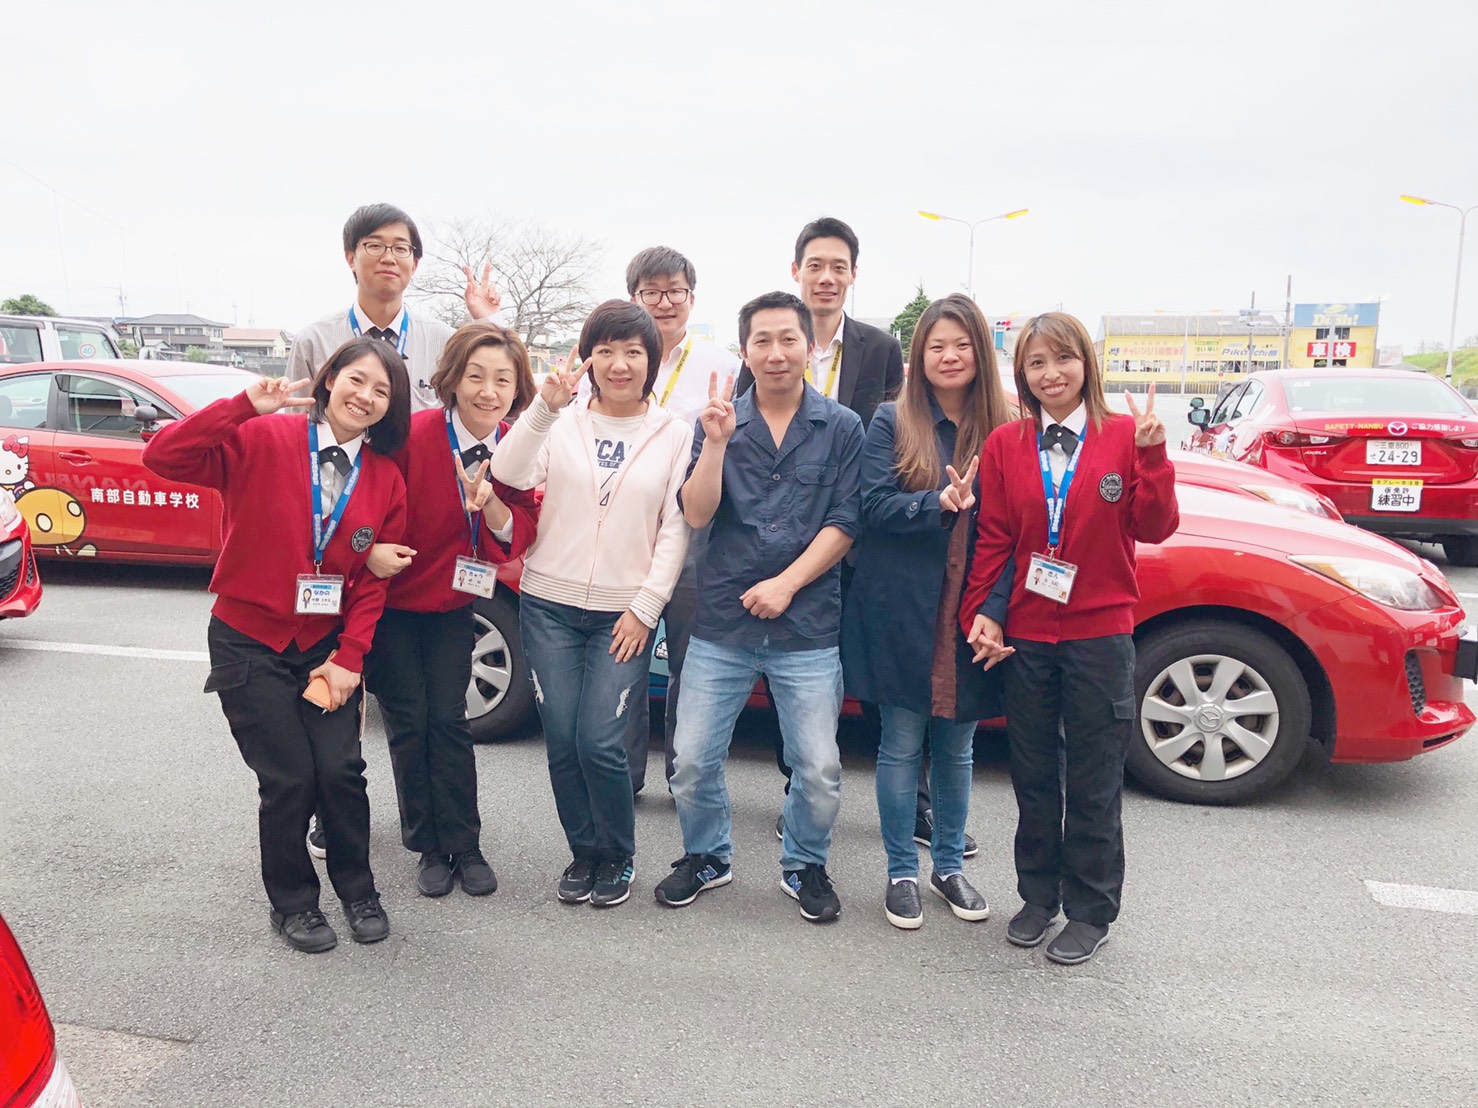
x=1063, y=333
x=916, y=447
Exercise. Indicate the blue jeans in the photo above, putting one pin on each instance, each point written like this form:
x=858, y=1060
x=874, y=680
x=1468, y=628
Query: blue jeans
x=951, y=756
x=807, y=688
x=583, y=696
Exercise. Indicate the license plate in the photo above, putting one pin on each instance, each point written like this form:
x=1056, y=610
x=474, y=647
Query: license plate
x=1395, y=495
x=1392, y=452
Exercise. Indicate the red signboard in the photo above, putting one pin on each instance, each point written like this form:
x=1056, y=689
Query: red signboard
x=1332, y=349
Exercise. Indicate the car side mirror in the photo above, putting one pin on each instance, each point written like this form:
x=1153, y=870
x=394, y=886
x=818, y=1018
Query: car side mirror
x=1198, y=417
x=147, y=418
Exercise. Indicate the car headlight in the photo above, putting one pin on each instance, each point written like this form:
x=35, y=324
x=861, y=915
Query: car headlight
x=1385, y=584
x=9, y=514
x=1284, y=497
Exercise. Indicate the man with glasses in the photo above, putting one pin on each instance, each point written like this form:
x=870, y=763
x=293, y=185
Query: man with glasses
x=663, y=281
x=383, y=249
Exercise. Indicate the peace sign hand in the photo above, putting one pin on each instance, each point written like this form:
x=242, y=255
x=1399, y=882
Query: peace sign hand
x=482, y=299
x=1148, y=430
x=718, y=417
x=272, y=394
x=560, y=386
x=959, y=496
x=475, y=491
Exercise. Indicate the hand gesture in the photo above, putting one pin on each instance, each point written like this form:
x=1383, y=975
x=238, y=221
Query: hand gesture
x=560, y=386
x=769, y=599
x=958, y=495
x=1148, y=430
x=272, y=394
x=988, y=638
x=475, y=491
x=483, y=299
x=386, y=559
x=718, y=416
x=341, y=683
x=628, y=637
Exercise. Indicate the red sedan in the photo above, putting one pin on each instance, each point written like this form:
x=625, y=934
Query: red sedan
x=1396, y=451
x=20, y=581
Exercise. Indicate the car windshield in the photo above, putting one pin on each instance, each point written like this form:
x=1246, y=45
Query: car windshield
x=201, y=389
x=1414, y=395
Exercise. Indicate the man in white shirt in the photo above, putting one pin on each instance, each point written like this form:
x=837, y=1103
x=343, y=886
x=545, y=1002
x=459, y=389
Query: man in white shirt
x=383, y=249
x=663, y=282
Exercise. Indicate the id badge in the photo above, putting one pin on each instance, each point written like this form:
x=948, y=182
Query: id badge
x=1050, y=578
x=473, y=577
x=319, y=594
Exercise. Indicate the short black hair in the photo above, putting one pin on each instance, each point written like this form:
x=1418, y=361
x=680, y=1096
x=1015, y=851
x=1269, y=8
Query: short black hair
x=658, y=261
x=394, y=427
x=775, y=300
x=370, y=218
x=824, y=228
x=613, y=321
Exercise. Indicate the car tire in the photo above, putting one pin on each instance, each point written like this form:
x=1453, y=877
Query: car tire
x=1461, y=550
x=500, y=696
x=1231, y=667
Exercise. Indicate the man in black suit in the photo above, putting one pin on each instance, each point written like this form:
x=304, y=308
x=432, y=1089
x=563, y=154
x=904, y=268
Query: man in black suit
x=858, y=366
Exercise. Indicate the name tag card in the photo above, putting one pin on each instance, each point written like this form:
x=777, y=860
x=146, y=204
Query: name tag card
x=474, y=578
x=1050, y=578
x=320, y=594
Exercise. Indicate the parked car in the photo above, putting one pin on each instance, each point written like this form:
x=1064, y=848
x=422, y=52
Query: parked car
x=20, y=581
x=1396, y=451
x=47, y=338
x=32, y=1073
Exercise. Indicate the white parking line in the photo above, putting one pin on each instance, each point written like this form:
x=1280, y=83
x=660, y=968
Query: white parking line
x=96, y=648
x=1469, y=595
x=1455, y=901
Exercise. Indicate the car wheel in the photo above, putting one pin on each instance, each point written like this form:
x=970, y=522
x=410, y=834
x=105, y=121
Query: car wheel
x=500, y=696
x=1223, y=713
x=1461, y=550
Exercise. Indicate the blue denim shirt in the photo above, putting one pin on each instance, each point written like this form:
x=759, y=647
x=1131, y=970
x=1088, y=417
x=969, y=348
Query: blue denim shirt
x=774, y=503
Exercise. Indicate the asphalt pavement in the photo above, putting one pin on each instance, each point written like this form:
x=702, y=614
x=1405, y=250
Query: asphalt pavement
x=1252, y=963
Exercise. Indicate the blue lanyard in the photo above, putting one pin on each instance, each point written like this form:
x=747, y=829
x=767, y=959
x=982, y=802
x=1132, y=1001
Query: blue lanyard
x=321, y=536
x=451, y=438
x=1056, y=503
x=405, y=328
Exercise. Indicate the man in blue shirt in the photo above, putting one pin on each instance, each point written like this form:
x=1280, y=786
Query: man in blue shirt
x=777, y=474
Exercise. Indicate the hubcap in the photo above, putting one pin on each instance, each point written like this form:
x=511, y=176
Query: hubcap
x=1210, y=717
x=492, y=669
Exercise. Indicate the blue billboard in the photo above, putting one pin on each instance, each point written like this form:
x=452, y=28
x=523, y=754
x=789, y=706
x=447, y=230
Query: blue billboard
x=1335, y=315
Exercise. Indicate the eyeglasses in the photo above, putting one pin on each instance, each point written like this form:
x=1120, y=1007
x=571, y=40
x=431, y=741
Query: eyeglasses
x=652, y=297
x=375, y=249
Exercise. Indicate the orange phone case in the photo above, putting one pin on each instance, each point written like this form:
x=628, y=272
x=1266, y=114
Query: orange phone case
x=317, y=690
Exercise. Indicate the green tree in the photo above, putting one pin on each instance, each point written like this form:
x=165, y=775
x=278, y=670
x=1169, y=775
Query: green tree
x=128, y=348
x=196, y=354
x=905, y=321
x=26, y=304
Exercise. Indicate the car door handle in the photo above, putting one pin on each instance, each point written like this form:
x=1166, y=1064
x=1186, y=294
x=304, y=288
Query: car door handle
x=76, y=457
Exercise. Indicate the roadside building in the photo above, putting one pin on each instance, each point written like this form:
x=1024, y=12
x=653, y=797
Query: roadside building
x=1334, y=335
x=173, y=335
x=1188, y=353
x=255, y=347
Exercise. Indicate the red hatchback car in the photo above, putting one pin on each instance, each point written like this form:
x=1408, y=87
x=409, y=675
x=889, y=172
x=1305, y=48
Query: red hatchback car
x=20, y=581
x=1395, y=450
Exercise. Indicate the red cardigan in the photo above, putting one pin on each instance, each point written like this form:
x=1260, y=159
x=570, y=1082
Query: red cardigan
x=260, y=468
x=436, y=524
x=1121, y=494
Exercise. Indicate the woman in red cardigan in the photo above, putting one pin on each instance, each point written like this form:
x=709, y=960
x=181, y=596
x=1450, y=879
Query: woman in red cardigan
x=462, y=526
x=1068, y=489
x=295, y=610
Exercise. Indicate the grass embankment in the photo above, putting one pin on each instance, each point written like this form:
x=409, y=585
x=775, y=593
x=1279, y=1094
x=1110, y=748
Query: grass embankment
x=1464, y=365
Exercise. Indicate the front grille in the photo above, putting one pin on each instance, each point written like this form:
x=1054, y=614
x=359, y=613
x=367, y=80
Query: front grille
x=11, y=559
x=7, y=582
x=31, y=570
x=1414, y=682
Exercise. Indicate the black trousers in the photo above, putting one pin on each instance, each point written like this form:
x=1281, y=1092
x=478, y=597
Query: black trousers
x=303, y=757
x=1069, y=718
x=419, y=668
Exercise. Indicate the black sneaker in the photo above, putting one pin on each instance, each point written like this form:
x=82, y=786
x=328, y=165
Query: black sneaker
x=812, y=888
x=612, y=882
x=577, y=881
x=433, y=875
x=692, y=874
x=901, y=905
x=477, y=877
x=317, y=844
x=961, y=896
x=923, y=833
x=1077, y=942
x=1029, y=926
x=367, y=920
x=305, y=931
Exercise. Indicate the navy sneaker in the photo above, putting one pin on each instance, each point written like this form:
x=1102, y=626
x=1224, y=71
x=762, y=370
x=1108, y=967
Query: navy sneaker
x=612, y=882
x=577, y=881
x=692, y=874
x=812, y=887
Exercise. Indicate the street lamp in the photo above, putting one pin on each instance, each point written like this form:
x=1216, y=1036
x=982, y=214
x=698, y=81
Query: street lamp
x=1457, y=281
x=970, y=278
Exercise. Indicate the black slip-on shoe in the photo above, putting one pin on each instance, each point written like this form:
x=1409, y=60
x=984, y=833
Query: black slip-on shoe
x=902, y=906
x=1029, y=926
x=1076, y=943
x=961, y=896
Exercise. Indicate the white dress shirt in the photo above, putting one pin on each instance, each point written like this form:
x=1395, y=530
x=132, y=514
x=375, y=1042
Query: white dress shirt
x=466, y=440
x=1076, y=421
x=821, y=358
x=331, y=484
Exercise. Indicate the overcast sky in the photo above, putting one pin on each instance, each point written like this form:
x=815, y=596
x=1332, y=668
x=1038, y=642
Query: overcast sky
x=1173, y=156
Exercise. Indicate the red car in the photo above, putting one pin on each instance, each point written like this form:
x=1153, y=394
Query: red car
x=20, y=581
x=31, y=1071
x=1396, y=451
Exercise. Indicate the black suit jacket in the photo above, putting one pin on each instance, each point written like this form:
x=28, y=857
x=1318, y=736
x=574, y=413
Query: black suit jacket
x=871, y=370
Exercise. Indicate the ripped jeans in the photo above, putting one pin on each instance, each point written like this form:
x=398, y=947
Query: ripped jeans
x=583, y=696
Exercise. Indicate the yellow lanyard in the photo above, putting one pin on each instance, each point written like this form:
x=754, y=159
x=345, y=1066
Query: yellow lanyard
x=676, y=372
x=831, y=374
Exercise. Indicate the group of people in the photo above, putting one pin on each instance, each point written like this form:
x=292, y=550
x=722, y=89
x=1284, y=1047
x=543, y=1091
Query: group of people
x=810, y=516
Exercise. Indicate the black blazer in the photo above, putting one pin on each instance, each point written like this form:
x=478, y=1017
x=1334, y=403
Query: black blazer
x=871, y=370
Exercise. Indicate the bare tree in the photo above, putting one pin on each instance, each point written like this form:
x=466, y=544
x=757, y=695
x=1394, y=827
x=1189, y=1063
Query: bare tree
x=544, y=276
